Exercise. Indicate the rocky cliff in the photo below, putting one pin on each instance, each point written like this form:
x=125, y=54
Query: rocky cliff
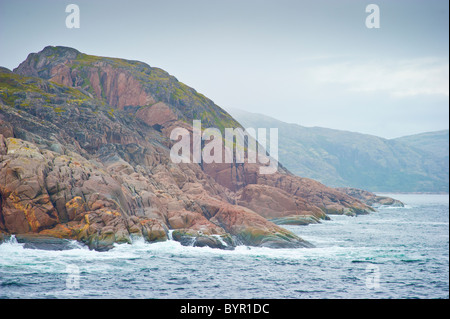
x=84, y=154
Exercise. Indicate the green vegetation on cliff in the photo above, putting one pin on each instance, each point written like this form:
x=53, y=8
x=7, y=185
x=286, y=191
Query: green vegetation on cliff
x=124, y=83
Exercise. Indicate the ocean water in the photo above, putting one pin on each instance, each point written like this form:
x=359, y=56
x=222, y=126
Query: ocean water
x=392, y=253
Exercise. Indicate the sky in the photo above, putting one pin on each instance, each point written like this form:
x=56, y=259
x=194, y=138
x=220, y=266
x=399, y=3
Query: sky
x=312, y=62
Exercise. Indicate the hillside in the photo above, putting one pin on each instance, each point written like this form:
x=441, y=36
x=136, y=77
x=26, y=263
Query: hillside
x=346, y=159
x=435, y=143
x=85, y=155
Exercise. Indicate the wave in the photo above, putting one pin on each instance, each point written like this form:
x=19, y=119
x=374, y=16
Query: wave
x=12, y=252
x=384, y=207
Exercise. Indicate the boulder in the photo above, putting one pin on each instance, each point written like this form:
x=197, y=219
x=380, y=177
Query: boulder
x=249, y=227
x=37, y=241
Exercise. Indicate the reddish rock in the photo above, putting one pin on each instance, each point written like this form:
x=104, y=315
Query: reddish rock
x=271, y=202
x=158, y=113
x=6, y=129
x=153, y=231
x=117, y=85
x=194, y=222
x=3, y=148
x=94, y=164
x=66, y=231
x=249, y=227
x=25, y=204
x=329, y=200
x=75, y=208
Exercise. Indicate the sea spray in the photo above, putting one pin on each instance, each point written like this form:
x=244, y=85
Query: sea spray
x=409, y=247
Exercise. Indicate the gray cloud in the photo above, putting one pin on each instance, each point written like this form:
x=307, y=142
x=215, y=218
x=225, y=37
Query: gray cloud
x=311, y=62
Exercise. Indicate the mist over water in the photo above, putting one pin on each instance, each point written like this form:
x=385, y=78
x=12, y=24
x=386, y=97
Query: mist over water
x=408, y=247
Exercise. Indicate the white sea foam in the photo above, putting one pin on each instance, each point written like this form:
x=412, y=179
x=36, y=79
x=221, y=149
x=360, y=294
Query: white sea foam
x=409, y=245
x=14, y=252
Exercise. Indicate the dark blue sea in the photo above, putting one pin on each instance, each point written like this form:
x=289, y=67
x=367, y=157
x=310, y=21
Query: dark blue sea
x=392, y=253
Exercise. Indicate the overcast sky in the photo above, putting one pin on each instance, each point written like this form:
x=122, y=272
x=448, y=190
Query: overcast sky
x=311, y=62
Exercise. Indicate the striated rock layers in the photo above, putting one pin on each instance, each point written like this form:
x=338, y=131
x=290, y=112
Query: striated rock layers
x=84, y=154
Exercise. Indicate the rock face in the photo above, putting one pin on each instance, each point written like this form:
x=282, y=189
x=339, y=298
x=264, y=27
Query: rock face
x=84, y=155
x=123, y=84
x=370, y=198
x=279, y=206
x=65, y=66
x=282, y=191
